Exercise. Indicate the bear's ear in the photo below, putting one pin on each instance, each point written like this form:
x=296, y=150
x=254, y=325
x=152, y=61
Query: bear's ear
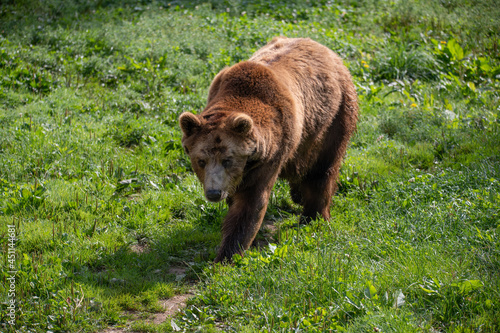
x=189, y=123
x=241, y=124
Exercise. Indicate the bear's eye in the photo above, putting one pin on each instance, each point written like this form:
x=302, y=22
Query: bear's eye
x=186, y=150
x=226, y=163
x=202, y=163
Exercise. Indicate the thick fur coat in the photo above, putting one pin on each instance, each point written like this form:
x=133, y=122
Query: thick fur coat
x=287, y=112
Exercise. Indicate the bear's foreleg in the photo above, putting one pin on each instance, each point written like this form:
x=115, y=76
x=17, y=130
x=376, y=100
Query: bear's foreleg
x=246, y=212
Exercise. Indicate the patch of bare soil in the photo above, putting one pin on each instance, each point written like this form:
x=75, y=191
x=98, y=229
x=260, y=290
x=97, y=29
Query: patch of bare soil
x=140, y=248
x=171, y=305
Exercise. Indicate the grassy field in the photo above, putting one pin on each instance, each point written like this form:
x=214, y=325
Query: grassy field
x=102, y=219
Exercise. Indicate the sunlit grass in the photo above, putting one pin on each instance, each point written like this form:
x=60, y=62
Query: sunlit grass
x=105, y=204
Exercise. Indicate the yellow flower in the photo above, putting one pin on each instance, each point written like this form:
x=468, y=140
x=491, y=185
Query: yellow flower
x=413, y=105
x=366, y=66
x=443, y=42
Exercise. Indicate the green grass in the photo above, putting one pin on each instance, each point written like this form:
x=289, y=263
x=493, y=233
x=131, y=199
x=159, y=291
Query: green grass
x=106, y=208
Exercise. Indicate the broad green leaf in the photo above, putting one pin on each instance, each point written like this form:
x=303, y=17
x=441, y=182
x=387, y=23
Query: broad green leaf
x=455, y=49
x=467, y=286
x=25, y=193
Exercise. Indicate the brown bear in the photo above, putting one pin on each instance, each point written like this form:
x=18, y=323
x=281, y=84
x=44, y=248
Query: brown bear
x=287, y=112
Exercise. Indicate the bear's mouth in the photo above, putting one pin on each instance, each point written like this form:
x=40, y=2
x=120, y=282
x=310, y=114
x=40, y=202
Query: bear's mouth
x=215, y=195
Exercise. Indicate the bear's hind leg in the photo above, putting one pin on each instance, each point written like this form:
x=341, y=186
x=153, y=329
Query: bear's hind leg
x=319, y=185
x=296, y=193
x=316, y=197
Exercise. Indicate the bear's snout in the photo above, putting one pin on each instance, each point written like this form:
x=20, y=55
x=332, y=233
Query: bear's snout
x=214, y=195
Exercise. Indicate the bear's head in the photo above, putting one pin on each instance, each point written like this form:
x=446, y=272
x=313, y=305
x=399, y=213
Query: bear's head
x=220, y=146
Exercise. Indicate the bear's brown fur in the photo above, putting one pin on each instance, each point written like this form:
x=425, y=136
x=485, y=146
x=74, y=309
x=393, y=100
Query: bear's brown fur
x=287, y=112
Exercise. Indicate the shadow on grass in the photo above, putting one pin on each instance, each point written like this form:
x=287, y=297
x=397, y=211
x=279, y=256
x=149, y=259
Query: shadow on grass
x=179, y=256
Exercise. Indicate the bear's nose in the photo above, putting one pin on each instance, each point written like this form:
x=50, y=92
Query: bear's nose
x=213, y=195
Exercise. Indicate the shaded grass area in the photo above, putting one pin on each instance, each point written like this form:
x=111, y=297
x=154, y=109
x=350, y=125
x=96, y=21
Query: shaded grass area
x=105, y=205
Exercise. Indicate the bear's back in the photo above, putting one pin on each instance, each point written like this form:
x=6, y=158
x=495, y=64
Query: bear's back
x=315, y=76
x=320, y=84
